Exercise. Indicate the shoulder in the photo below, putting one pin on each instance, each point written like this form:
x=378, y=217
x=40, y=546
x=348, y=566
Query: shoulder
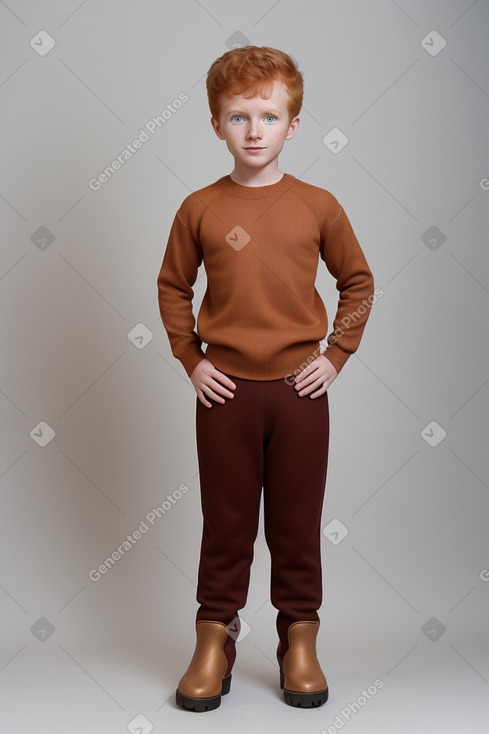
x=322, y=202
x=195, y=204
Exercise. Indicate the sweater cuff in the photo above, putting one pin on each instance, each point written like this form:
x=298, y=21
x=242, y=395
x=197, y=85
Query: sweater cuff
x=336, y=356
x=191, y=359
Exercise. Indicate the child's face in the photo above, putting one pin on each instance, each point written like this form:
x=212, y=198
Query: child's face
x=255, y=129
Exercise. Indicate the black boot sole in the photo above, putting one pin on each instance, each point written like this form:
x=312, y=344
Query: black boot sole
x=191, y=703
x=303, y=700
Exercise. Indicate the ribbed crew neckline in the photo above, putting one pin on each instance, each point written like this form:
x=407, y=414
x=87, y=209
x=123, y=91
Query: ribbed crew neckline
x=256, y=192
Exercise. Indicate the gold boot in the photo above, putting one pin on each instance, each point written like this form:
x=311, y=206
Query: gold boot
x=301, y=676
x=201, y=687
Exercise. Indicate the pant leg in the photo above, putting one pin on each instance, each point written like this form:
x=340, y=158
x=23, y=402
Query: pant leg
x=295, y=468
x=230, y=453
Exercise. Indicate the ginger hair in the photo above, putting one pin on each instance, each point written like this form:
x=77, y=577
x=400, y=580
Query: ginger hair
x=253, y=69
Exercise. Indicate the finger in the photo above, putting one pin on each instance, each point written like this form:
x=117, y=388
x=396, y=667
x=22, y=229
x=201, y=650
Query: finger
x=302, y=378
x=213, y=384
x=310, y=388
x=305, y=373
x=320, y=392
x=320, y=374
x=224, y=379
x=214, y=395
x=202, y=399
x=309, y=379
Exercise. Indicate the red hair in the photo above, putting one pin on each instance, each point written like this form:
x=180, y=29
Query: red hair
x=254, y=69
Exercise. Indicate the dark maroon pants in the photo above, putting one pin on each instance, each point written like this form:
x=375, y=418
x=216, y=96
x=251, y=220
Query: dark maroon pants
x=265, y=437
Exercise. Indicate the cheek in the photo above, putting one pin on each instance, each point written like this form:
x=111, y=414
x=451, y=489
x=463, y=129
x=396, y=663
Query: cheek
x=232, y=142
x=278, y=133
x=232, y=133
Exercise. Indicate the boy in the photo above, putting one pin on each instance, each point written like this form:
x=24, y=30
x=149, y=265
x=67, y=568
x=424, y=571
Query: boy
x=262, y=418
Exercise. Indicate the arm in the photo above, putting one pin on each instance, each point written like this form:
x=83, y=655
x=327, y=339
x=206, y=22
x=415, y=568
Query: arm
x=346, y=262
x=178, y=274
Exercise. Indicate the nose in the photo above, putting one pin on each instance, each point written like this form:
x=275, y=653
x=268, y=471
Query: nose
x=253, y=130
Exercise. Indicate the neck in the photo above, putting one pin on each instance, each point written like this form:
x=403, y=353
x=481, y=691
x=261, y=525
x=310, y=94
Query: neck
x=256, y=177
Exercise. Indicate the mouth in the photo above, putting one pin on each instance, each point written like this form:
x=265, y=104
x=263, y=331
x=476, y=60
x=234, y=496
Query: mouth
x=254, y=147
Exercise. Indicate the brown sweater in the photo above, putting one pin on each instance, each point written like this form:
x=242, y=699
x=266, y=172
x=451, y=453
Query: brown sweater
x=261, y=315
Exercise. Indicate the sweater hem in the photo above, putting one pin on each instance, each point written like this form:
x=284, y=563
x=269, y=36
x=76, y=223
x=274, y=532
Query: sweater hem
x=289, y=364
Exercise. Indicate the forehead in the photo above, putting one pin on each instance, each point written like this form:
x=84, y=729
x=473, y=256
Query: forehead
x=278, y=100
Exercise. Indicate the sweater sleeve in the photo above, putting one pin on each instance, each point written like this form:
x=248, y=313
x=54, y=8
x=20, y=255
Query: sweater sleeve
x=346, y=262
x=183, y=256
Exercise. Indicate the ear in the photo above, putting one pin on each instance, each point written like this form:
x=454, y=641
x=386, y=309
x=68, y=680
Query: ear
x=217, y=128
x=294, y=124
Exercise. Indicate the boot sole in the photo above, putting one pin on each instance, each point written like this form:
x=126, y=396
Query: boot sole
x=191, y=703
x=303, y=700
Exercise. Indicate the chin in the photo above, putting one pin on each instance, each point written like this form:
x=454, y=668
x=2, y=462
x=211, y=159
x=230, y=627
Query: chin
x=256, y=162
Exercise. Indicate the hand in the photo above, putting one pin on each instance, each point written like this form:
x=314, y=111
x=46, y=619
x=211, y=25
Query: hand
x=318, y=374
x=208, y=380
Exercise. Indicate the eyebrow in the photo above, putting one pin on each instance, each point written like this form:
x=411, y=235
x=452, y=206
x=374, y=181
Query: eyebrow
x=266, y=110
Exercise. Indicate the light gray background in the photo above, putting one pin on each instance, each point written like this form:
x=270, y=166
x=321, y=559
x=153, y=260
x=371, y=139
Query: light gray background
x=123, y=411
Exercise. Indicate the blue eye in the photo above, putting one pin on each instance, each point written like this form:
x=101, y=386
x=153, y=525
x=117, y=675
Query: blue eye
x=270, y=118
x=236, y=117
